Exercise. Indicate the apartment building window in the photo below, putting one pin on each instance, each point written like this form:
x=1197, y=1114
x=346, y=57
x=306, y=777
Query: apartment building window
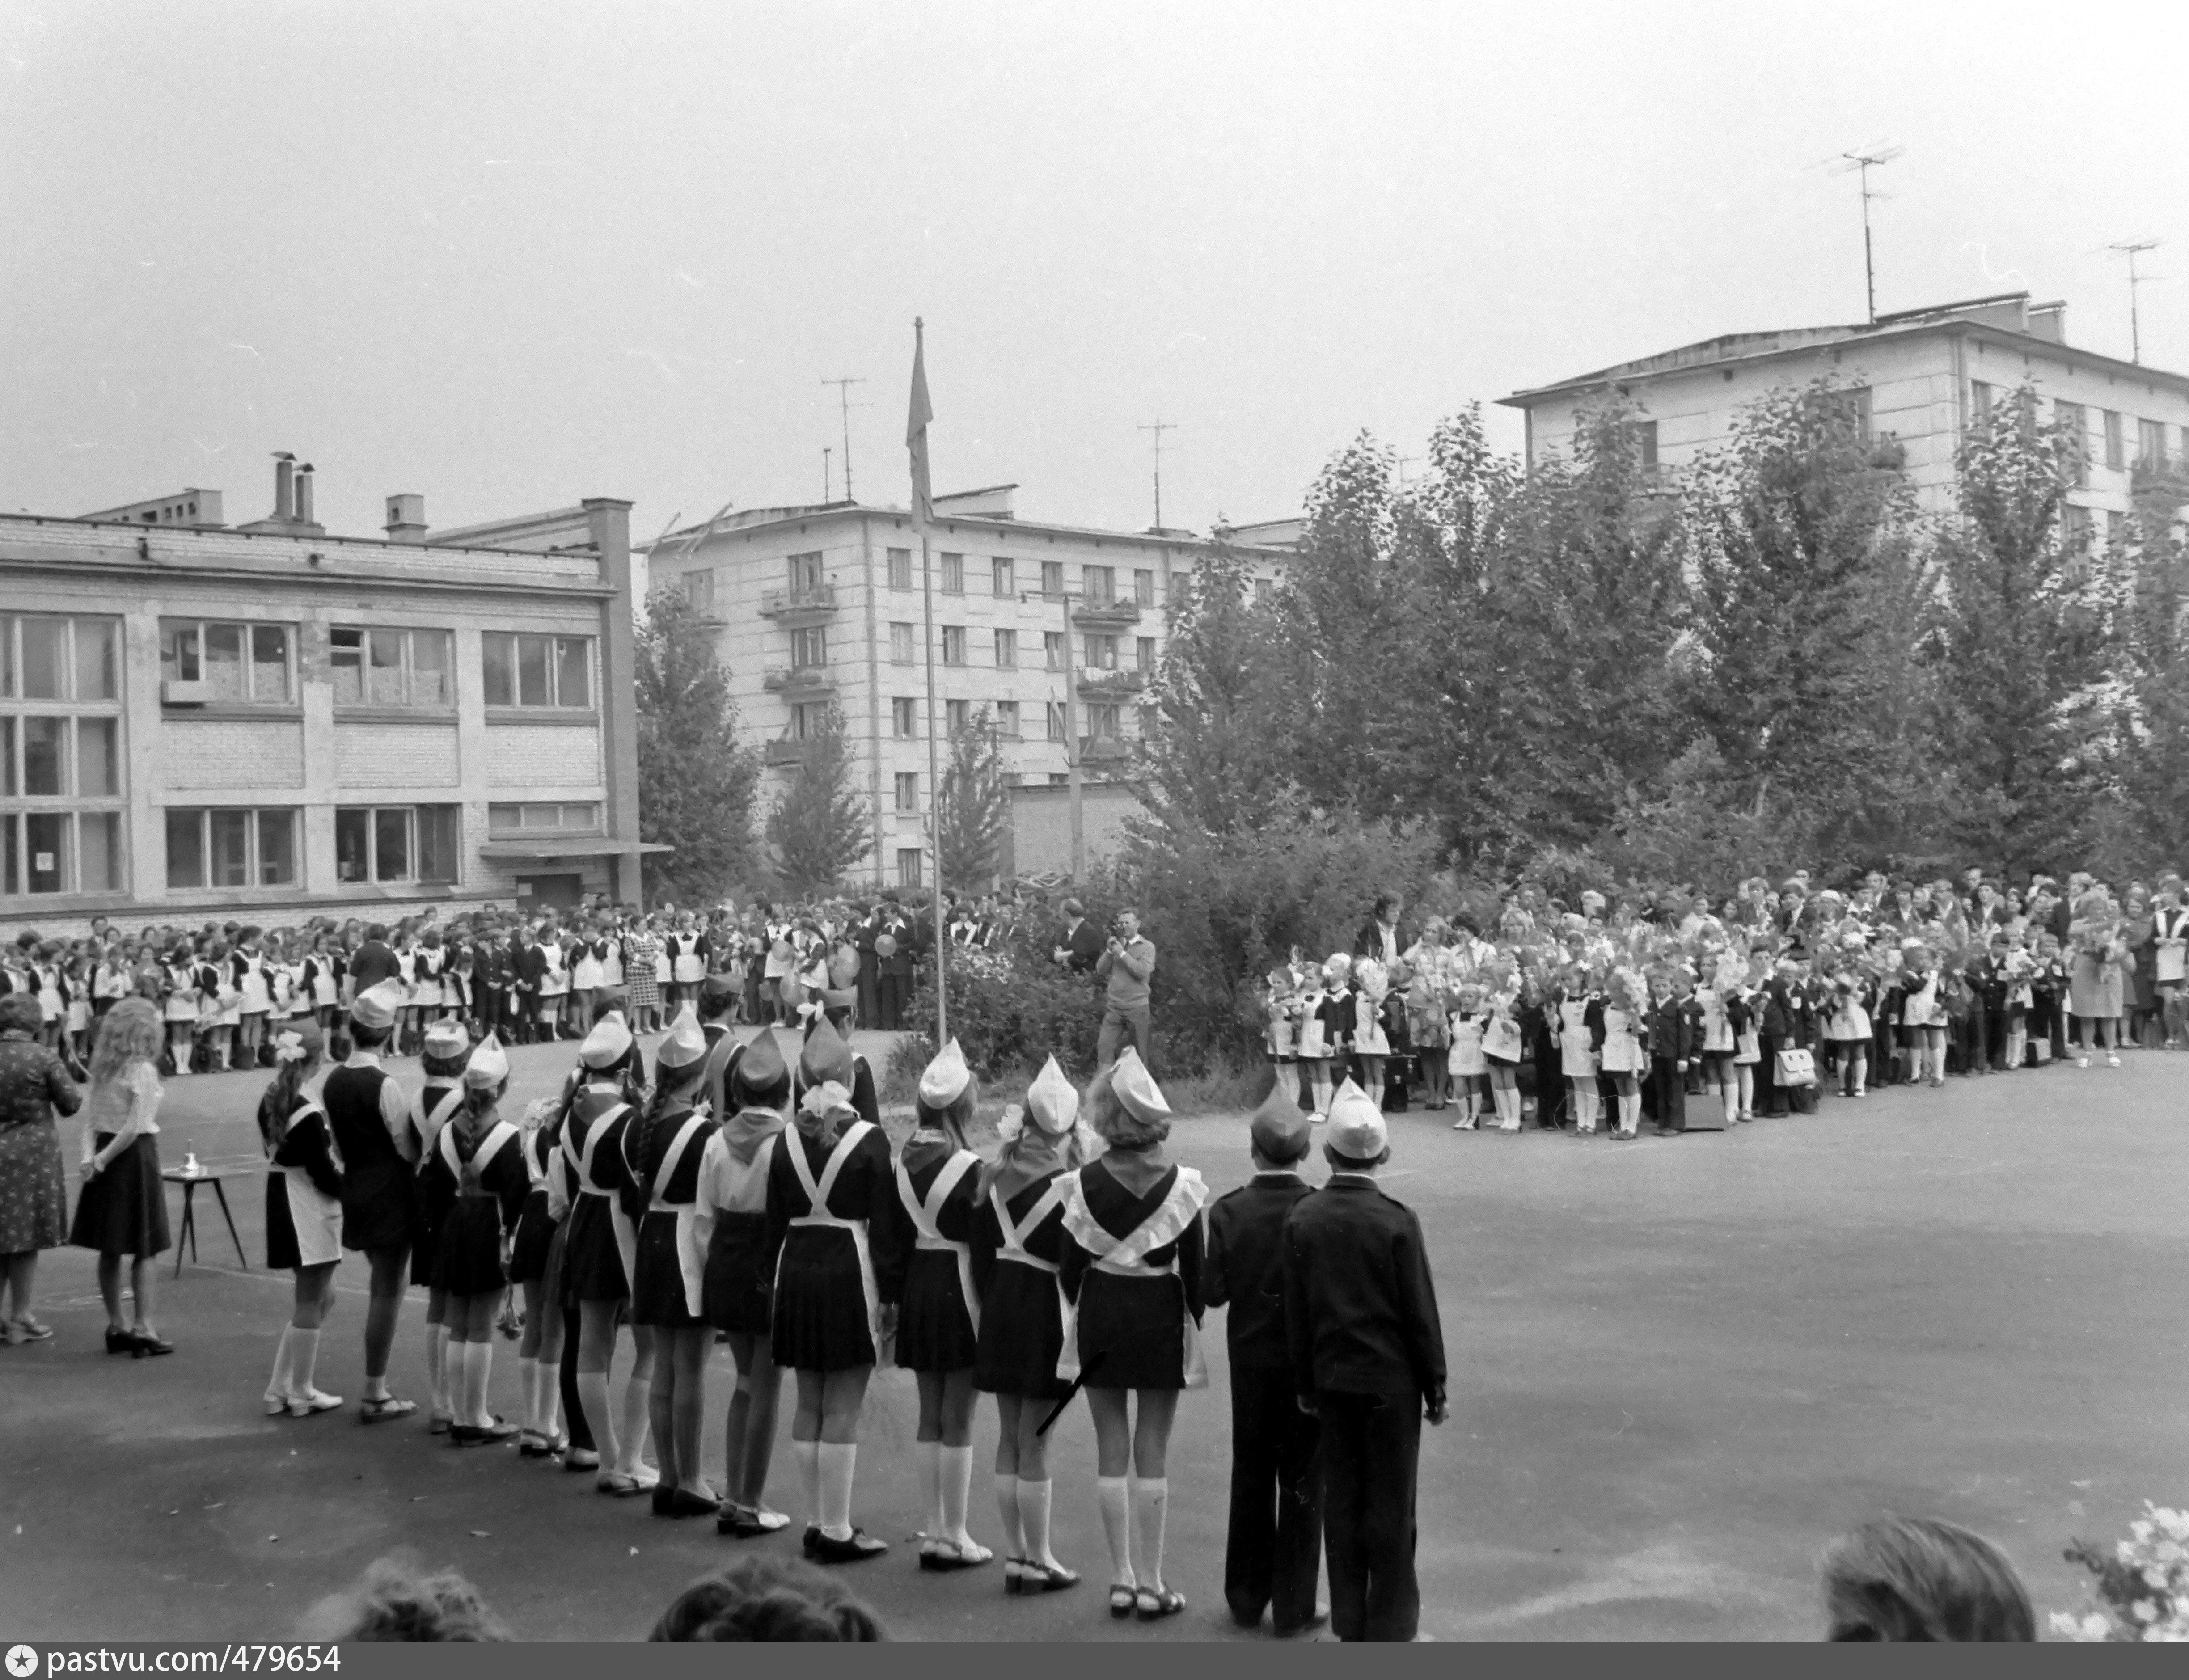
x=397, y=842
x=908, y=866
x=1642, y=435
x=218, y=848
x=904, y=718
x=2074, y=420
x=699, y=591
x=1144, y=587
x=1007, y=650
x=1002, y=572
x=1052, y=649
x=954, y=574
x=1981, y=397
x=805, y=574
x=60, y=754
x=1052, y=578
x=1056, y=730
x=1097, y=585
x=537, y=670
x=958, y=716
x=2075, y=525
x=1143, y=653
x=1102, y=722
x=907, y=794
x=2150, y=445
x=582, y=816
x=253, y=663
x=954, y=644
x=1264, y=590
x=1853, y=401
x=2116, y=444
x=398, y=667
x=1007, y=719
x=808, y=718
x=901, y=644
x=900, y=568
x=809, y=648
x=1100, y=653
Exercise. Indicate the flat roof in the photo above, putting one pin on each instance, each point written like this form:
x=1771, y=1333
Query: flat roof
x=758, y=519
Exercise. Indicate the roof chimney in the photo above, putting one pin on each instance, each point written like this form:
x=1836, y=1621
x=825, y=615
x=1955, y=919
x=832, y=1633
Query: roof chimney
x=285, y=506
x=406, y=518
x=303, y=483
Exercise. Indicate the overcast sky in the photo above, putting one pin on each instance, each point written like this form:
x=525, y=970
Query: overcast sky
x=509, y=256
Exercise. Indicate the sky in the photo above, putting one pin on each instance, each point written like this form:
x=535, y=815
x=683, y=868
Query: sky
x=510, y=255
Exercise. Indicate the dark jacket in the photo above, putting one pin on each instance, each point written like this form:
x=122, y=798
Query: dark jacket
x=1369, y=942
x=1245, y=1267
x=1086, y=944
x=373, y=962
x=1360, y=1309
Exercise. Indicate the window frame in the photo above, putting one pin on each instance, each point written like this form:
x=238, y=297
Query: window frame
x=413, y=843
x=954, y=644
x=254, y=850
x=249, y=627
x=408, y=668
x=902, y=645
x=515, y=700
x=899, y=562
x=957, y=717
x=809, y=647
x=495, y=826
x=953, y=580
x=64, y=814
x=904, y=718
x=1007, y=648
x=1007, y=722
x=905, y=793
x=1003, y=574
x=910, y=867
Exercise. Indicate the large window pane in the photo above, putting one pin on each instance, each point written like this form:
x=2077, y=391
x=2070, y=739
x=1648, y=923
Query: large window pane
x=223, y=662
x=97, y=757
x=231, y=848
x=178, y=653
x=390, y=845
x=433, y=668
x=7, y=669
x=45, y=756
x=352, y=845
x=11, y=854
x=98, y=663
x=7, y=759
x=498, y=667
x=438, y=841
x=532, y=670
x=384, y=680
x=45, y=661
x=346, y=657
x=45, y=848
x=185, y=848
x=269, y=663
x=99, y=852
x=277, y=848
x=572, y=686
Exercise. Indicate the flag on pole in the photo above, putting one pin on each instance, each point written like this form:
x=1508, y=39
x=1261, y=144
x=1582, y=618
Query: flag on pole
x=915, y=424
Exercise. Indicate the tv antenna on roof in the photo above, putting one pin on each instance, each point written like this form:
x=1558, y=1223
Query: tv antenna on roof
x=2131, y=249
x=844, y=401
x=1159, y=427
x=1864, y=160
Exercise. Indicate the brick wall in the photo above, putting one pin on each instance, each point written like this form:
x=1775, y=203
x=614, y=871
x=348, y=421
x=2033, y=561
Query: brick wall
x=397, y=755
x=542, y=755
x=224, y=753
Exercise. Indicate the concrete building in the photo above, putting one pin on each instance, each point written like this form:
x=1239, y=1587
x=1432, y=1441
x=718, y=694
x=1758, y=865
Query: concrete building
x=821, y=605
x=269, y=721
x=1919, y=378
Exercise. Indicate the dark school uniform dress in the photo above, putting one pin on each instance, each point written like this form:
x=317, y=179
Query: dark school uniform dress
x=1671, y=1041
x=739, y=1289
x=1273, y=1548
x=304, y=1185
x=475, y=1188
x=662, y=1155
x=828, y=1236
x=931, y=1283
x=380, y=1193
x=435, y=1104
x=536, y=1226
x=1131, y=1270
x=601, y=1249
x=1018, y=1245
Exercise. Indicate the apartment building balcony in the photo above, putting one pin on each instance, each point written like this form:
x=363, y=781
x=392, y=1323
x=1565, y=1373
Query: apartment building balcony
x=1104, y=750
x=1112, y=685
x=797, y=608
x=1106, y=615
x=799, y=682
x=783, y=751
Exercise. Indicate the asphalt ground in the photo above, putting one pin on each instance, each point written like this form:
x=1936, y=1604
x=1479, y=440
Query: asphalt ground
x=1679, y=1367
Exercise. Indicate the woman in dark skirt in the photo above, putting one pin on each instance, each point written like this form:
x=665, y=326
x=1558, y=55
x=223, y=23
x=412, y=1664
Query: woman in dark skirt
x=123, y=1209
x=304, y=1216
x=474, y=1185
x=938, y=1312
x=448, y=1047
x=662, y=1150
x=732, y=1205
x=830, y=1189
x=535, y=1263
x=1132, y=1270
x=1018, y=1239
x=33, y=1185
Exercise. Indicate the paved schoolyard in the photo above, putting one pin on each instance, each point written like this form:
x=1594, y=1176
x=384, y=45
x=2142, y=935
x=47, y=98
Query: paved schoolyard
x=1680, y=1367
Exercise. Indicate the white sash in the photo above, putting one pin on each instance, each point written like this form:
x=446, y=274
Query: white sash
x=817, y=1197
x=626, y=1234
x=926, y=1220
x=482, y=1157
x=691, y=1253
x=1014, y=1235
x=1126, y=1256
x=430, y=1126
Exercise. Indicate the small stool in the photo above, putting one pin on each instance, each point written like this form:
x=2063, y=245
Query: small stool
x=190, y=1181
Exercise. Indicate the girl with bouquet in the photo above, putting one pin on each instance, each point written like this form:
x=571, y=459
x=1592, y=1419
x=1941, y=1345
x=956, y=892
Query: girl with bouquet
x=1617, y=1024
x=1468, y=1066
x=2095, y=989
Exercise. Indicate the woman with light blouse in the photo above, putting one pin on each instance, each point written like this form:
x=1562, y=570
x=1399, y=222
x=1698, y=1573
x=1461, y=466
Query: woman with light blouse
x=123, y=1209
x=33, y=1192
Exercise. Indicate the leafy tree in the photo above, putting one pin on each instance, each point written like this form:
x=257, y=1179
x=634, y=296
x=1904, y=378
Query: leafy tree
x=973, y=809
x=819, y=828
x=696, y=785
x=2152, y=735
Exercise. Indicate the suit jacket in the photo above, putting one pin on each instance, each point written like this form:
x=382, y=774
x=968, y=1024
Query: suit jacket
x=528, y=966
x=375, y=961
x=1244, y=1267
x=1360, y=1307
x=1086, y=944
x=898, y=963
x=1369, y=942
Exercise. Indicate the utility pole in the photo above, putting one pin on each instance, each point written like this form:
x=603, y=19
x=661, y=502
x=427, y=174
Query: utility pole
x=1862, y=162
x=2131, y=248
x=1159, y=427
x=826, y=482
x=844, y=402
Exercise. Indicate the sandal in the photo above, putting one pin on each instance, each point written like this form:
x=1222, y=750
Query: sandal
x=29, y=1330
x=946, y=1555
x=312, y=1400
x=621, y=1486
x=1013, y=1581
x=1122, y=1600
x=855, y=1548
x=387, y=1406
x=1150, y=1605
x=1047, y=1578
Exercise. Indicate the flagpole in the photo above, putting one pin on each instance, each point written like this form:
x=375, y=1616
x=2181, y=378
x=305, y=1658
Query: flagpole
x=920, y=491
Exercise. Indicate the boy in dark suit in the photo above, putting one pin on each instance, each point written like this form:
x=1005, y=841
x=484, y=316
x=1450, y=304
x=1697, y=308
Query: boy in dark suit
x=1272, y=1553
x=1672, y=1049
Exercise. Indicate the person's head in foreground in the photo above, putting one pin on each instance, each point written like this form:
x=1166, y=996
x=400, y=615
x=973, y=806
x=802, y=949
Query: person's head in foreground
x=1915, y=1578
x=393, y=1601
x=761, y=1596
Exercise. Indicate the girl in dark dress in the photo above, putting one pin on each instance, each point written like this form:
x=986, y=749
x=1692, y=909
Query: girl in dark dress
x=474, y=1183
x=1018, y=1239
x=1131, y=1268
x=448, y=1047
x=938, y=1313
x=829, y=1191
x=662, y=1148
x=303, y=1216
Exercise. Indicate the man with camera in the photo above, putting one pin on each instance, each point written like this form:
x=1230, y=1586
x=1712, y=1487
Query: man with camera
x=1124, y=966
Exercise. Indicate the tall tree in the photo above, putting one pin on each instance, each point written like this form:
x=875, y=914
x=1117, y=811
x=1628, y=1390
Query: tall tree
x=973, y=808
x=818, y=827
x=696, y=784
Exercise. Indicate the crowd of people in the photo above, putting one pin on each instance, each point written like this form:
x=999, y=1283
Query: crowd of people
x=1610, y=1010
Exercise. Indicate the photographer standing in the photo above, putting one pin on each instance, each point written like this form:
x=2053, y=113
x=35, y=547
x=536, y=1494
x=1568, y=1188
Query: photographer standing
x=1124, y=966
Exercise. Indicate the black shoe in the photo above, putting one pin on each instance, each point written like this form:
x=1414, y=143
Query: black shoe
x=812, y=1538
x=662, y=1498
x=857, y=1549
x=149, y=1345
x=121, y=1341
x=684, y=1502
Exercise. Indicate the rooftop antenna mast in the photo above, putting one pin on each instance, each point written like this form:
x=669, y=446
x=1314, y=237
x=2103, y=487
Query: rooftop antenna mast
x=1862, y=162
x=2131, y=249
x=826, y=481
x=844, y=401
x=1159, y=427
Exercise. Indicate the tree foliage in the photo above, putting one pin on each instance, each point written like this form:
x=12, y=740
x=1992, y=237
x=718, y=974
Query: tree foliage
x=696, y=785
x=819, y=828
x=973, y=807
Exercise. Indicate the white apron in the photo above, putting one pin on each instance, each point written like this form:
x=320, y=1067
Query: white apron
x=818, y=1214
x=314, y=1216
x=1126, y=1256
x=924, y=1220
x=626, y=1233
x=691, y=1250
x=686, y=968
x=490, y=1146
x=430, y=1125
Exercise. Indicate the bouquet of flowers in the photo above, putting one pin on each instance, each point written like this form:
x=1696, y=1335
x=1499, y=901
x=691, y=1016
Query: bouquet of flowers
x=2140, y=1585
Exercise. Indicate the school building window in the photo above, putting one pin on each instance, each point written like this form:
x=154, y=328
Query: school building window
x=900, y=568
x=221, y=848
x=908, y=866
x=809, y=648
x=1980, y=399
x=1052, y=578
x=393, y=667
x=531, y=818
x=1007, y=650
x=908, y=793
x=1143, y=653
x=958, y=716
x=2073, y=420
x=1052, y=648
x=538, y=670
x=60, y=754
x=1097, y=585
x=900, y=644
x=954, y=574
x=1002, y=572
x=1641, y=438
x=1007, y=719
x=2150, y=445
x=397, y=842
x=904, y=718
x=805, y=574
x=2115, y=447
x=1143, y=588
x=254, y=664
x=1056, y=720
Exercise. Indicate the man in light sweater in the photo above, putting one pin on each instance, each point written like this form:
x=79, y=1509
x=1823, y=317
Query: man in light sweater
x=1124, y=967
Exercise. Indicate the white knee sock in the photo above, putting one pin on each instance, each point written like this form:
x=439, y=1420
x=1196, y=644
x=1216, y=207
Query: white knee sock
x=593, y=1397
x=1032, y=1535
x=277, y=1385
x=957, y=1492
x=550, y=1397
x=838, y=1460
x=1010, y=1504
x=528, y=1392
x=632, y=1430
x=928, y=1456
x=303, y=1358
x=437, y=1367
x=481, y=1373
x=807, y=1456
x=1110, y=1494
x=1151, y=1506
